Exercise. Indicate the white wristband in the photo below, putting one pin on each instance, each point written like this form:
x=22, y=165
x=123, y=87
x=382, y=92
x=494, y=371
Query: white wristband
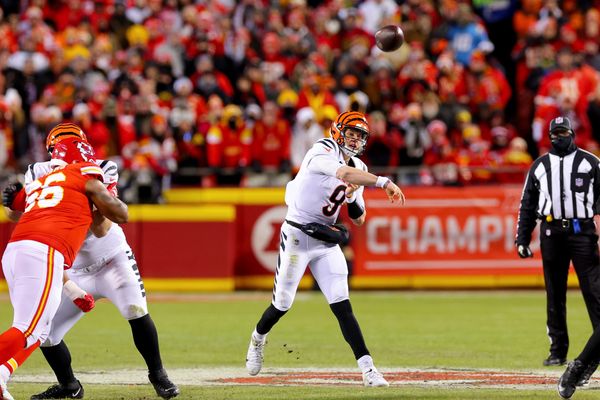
x=72, y=291
x=381, y=181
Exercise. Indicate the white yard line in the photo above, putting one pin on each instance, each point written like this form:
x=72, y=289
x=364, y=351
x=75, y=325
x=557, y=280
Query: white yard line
x=219, y=376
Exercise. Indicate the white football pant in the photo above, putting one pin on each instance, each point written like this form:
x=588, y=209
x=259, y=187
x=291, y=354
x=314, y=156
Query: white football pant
x=117, y=279
x=327, y=265
x=33, y=272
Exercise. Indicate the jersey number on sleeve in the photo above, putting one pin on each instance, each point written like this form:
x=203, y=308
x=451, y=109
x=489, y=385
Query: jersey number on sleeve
x=48, y=196
x=337, y=199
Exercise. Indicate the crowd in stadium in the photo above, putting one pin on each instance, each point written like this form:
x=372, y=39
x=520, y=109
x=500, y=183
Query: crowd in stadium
x=223, y=92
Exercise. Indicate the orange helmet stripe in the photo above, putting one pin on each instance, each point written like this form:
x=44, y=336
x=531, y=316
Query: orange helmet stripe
x=62, y=131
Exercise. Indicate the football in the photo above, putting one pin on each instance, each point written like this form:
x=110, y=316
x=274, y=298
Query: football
x=389, y=38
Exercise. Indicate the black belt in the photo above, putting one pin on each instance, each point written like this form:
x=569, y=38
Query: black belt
x=566, y=223
x=294, y=224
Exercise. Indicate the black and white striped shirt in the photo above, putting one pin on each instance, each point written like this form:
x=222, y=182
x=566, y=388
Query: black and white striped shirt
x=564, y=187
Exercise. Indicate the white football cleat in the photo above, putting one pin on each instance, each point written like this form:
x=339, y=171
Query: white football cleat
x=4, y=395
x=254, y=357
x=373, y=378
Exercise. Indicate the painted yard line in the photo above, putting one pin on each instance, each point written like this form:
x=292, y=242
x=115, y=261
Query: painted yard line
x=227, y=376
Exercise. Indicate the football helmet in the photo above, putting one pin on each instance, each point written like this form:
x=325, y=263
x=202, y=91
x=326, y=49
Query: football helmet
x=73, y=150
x=61, y=132
x=350, y=120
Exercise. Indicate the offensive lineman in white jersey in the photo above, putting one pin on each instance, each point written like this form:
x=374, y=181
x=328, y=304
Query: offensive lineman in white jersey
x=330, y=175
x=105, y=268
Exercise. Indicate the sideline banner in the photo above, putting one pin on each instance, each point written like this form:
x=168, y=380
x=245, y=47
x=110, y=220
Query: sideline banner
x=178, y=248
x=449, y=231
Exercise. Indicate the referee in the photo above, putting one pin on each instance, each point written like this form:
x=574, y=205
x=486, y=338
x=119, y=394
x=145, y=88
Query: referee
x=562, y=188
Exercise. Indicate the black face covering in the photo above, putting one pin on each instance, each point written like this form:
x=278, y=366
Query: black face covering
x=232, y=123
x=563, y=145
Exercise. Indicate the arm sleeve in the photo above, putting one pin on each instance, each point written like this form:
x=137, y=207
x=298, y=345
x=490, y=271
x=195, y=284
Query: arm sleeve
x=357, y=208
x=359, y=203
x=527, y=210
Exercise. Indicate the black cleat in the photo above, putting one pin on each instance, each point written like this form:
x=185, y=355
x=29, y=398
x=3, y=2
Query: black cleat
x=163, y=385
x=554, y=361
x=59, y=391
x=587, y=374
x=568, y=381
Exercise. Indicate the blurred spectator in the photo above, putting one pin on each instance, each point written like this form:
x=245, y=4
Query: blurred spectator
x=150, y=162
x=564, y=91
x=325, y=117
x=271, y=137
x=314, y=94
x=228, y=145
x=474, y=160
x=96, y=130
x=383, y=147
x=440, y=157
x=593, y=113
x=515, y=162
x=377, y=13
x=418, y=75
x=467, y=35
x=305, y=133
x=416, y=137
x=487, y=86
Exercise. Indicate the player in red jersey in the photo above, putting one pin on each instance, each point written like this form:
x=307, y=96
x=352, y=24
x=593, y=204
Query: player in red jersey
x=57, y=213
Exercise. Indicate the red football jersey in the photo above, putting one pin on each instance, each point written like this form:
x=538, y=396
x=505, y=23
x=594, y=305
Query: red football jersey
x=58, y=212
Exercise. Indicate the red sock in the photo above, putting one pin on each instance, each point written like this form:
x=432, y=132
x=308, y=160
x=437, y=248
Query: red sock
x=11, y=342
x=18, y=359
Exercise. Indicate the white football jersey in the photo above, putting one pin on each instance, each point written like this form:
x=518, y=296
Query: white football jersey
x=317, y=196
x=94, y=251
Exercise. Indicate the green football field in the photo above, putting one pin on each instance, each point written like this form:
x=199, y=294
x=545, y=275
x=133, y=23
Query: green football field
x=430, y=345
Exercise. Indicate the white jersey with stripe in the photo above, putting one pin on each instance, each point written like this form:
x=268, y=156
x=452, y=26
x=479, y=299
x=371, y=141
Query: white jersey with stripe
x=94, y=251
x=315, y=194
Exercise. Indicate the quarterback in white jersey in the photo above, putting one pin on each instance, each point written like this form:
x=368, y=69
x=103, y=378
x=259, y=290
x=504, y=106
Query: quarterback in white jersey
x=330, y=176
x=105, y=267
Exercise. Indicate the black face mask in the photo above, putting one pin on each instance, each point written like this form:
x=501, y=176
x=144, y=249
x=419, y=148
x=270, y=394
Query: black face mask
x=563, y=145
x=232, y=123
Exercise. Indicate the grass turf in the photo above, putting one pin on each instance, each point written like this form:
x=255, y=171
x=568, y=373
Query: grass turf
x=499, y=330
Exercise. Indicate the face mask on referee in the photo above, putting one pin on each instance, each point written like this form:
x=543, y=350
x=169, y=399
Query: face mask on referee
x=562, y=142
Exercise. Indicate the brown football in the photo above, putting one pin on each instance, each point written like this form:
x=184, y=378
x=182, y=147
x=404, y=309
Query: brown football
x=389, y=38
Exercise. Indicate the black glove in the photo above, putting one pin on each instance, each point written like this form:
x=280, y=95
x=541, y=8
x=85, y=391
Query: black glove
x=337, y=233
x=9, y=193
x=524, y=251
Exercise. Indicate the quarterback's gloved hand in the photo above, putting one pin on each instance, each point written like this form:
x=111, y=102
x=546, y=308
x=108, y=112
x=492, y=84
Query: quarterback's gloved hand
x=85, y=303
x=9, y=193
x=524, y=251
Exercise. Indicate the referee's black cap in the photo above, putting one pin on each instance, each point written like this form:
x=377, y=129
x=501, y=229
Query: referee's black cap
x=561, y=124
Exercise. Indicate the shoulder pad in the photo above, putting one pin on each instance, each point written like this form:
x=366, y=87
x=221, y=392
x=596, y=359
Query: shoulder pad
x=37, y=170
x=325, y=145
x=110, y=171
